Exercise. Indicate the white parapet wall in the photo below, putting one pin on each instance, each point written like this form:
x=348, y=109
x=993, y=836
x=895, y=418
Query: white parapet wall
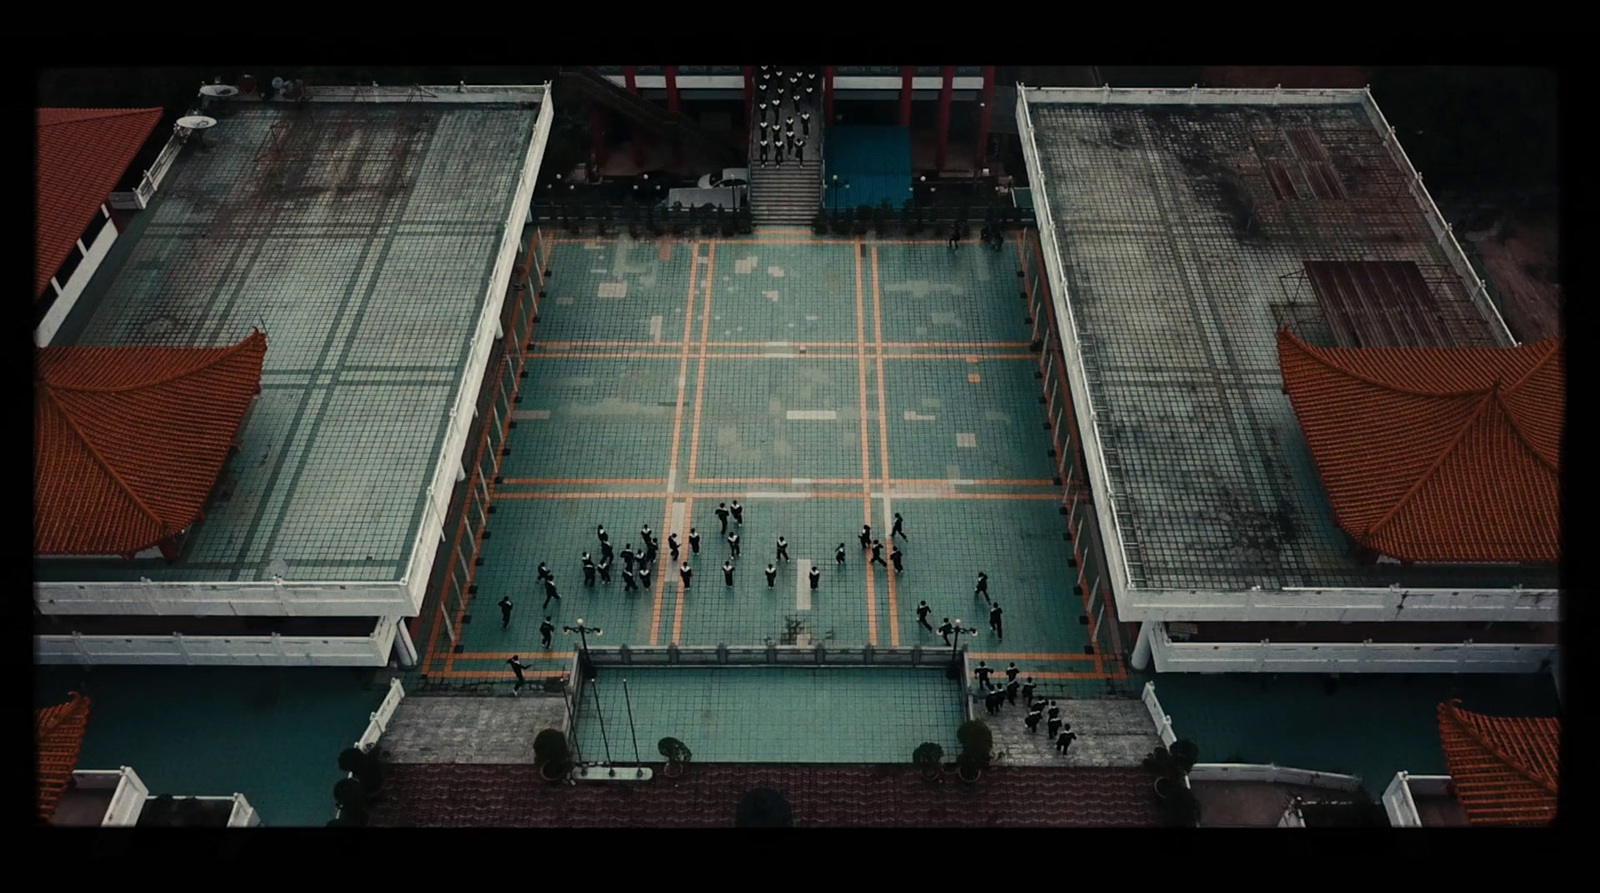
x=222, y=651
x=1338, y=657
x=244, y=599
x=1271, y=773
x=67, y=298
x=1400, y=797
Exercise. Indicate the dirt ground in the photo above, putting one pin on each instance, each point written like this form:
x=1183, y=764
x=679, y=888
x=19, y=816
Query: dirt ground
x=1521, y=261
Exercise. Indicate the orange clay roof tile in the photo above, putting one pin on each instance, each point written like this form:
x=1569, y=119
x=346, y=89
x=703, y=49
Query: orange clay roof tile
x=58, y=734
x=1506, y=770
x=1436, y=454
x=128, y=441
x=82, y=153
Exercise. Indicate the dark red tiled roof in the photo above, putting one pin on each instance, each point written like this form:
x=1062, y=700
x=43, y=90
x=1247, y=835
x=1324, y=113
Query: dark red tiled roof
x=82, y=154
x=1506, y=770
x=58, y=735
x=821, y=796
x=1436, y=454
x=128, y=441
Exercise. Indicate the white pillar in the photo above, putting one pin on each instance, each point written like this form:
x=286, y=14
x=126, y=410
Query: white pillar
x=404, y=650
x=1141, y=648
x=461, y=475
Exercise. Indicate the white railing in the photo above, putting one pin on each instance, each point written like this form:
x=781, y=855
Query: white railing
x=429, y=93
x=430, y=532
x=1272, y=773
x=1400, y=798
x=243, y=815
x=1196, y=95
x=1162, y=721
x=379, y=721
x=1302, y=603
x=272, y=650
x=260, y=598
x=1337, y=657
x=1112, y=545
x=1442, y=230
x=152, y=178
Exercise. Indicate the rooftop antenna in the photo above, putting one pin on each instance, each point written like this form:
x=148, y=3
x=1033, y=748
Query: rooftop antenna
x=461, y=87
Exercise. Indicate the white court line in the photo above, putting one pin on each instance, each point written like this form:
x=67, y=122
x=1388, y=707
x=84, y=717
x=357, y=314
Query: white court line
x=678, y=509
x=963, y=481
x=778, y=344
x=802, y=581
x=801, y=481
x=908, y=494
x=772, y=355
x=655, y=329
x=776, y=495
x=819, y=415
x=528, y=415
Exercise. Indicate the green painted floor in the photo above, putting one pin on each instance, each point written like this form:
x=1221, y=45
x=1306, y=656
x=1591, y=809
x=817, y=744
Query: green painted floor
x=787, y=714
x=1371, y=726
x=273, y=735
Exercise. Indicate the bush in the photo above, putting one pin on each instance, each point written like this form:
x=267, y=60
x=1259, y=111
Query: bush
x=928, y=756
x=819, y=225
x=550, y=746
x=1181, y=809
x=976, y=743
x=365, y=766
x=1173, y=763
x=674, y=750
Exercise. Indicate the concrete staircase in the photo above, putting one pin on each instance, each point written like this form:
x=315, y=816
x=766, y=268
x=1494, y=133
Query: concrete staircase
x=786, y=196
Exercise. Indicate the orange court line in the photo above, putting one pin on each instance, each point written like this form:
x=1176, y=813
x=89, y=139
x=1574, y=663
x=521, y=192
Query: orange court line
x=788, y=355
x=700, y=378
x=564, y=345
x=523, y=655
x=866, y=454
x=791, y=494
x=677, y=438
x=594, y=355
x=955, y=495
x=683, y=594
x=883, y=441
x=981, y=482
x=714, y=482
x=584, y=481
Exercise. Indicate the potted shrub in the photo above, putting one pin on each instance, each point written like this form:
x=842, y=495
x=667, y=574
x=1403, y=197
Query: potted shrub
x=929, y=757
x=863, y=219
x=819, y=224
x=976, y=743
x=550, y=754
x=678, y=756
x=883, y=218
x=1172, y=765
x=366, y=767
x=677, y=215
x=841, y=222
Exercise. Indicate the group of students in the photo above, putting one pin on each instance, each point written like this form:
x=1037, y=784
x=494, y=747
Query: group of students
x=772, y=89
x=995, y=697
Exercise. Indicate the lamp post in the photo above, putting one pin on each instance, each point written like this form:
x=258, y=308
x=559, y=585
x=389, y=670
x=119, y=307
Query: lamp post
x=955, y=649
x=586, y=669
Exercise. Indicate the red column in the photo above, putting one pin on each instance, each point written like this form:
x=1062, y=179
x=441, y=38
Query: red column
x=597, y=133
x=630, y=76
x=672, y=87
x=749, y=95
x=906, y=71
x=827, y=95
x=944, y=115
x=983, y=115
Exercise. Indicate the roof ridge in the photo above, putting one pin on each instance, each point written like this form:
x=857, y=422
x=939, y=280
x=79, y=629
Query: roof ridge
x=76, y=704
x=104, y=463
x=223, y=353
x=1315, y=353
x=1453, y=706
x=91, y=114
x=1437, y=463
x=1536, y=365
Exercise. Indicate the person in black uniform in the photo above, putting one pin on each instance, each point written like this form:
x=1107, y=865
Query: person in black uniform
x=607, y=554
x=805, y=124
x=991, y=700
x=1011, y=672
x=672, y=543
x=588, y=570
x=1053, y=728
x=517, y=666
x=866, y=536
x=727, y=571
x=899, y=528
x=647, y=536
x=550, y=591
x=922, y=615
x=1054, y=713
x=644, y=577
x=544, y=572
x=627, y=579
x=763, y=148
x=648, y=555
x=604, y=567
x=722, y=515
x=733, y=543
x=983, y=586
x=546, y=630
x=783, y=549
x=994, y=622
x=838, y=556
x=800, y=148
x=945, y=629
x=983, y=671
x=1033, y=721
x=1011, y=691
x=815, y=576
x=897, y=558
x=600, y=532
x=772, y=575
x=1065, y=739
x=877, y=554
x=505, y=611
x=738, y=512
x=1027, y=690
x=685, y=572
x=694, y=541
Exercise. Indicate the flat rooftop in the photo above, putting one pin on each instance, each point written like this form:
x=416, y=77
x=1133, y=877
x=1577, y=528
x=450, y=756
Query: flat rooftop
x=1189, y=235
x=361, y=237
